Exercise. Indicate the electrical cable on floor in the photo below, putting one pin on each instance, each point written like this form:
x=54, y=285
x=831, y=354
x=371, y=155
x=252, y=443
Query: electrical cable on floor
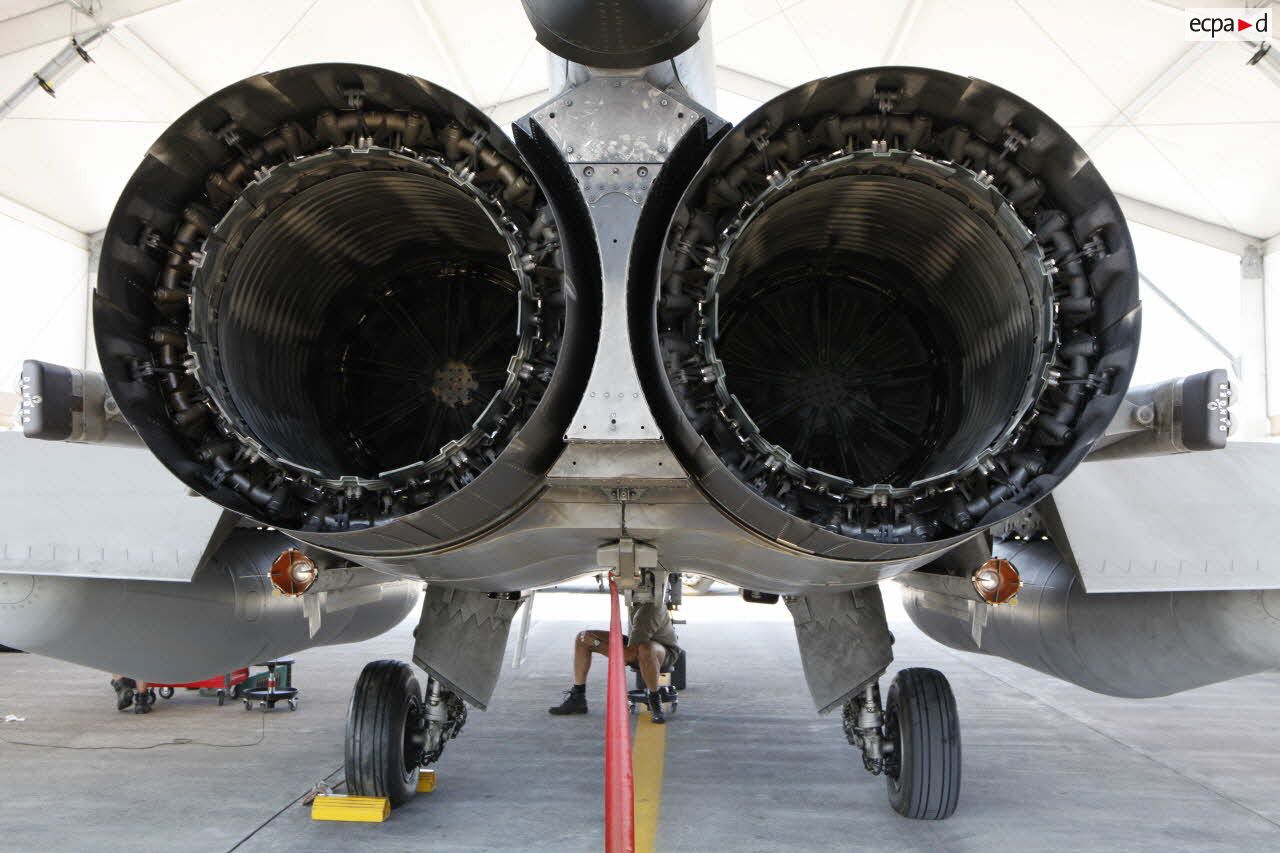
x=192, y=742
x=288, y=806
x=178, y=741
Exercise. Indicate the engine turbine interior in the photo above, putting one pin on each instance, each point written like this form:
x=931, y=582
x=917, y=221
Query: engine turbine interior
x=331, y=296
x=894, y=306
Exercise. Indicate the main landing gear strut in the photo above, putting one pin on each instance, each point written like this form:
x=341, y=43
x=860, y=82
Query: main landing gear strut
x=394, y=728
x=914, y=740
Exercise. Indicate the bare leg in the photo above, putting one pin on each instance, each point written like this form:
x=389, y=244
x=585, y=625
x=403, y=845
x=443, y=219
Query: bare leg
x=647, y=656
x=650, y=657
x=597, y=642
x=142, y=698
x=584, y=646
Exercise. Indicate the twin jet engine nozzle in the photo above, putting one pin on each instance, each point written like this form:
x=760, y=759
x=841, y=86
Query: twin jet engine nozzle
x=887, y=310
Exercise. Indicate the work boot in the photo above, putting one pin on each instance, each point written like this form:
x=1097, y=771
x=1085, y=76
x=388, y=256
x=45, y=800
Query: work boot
x=124, y=692
x=142, y=701
x=575, y=702
x=656, y=714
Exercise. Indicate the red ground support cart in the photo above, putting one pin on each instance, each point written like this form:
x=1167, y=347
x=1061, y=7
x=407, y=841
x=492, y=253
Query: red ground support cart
x=221, y=686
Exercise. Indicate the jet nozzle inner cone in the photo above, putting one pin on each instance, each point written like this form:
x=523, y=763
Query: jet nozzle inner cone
x=361, y=319
x=878, y=328
x=864, y=337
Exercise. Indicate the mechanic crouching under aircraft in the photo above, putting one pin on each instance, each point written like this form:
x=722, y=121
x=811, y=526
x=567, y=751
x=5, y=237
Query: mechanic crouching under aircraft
x=650, y=646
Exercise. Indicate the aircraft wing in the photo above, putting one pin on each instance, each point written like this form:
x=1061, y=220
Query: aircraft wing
x=1207, y=520
x=80, y=510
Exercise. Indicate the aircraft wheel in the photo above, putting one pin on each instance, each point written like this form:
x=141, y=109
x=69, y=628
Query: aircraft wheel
x=921, y=723
x=385, y=726
x=166, y=692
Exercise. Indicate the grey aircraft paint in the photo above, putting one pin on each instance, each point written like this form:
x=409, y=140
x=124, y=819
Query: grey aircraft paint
x=227, y=617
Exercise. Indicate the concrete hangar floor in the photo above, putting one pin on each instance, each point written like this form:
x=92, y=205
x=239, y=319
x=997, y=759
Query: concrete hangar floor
x=748, y=766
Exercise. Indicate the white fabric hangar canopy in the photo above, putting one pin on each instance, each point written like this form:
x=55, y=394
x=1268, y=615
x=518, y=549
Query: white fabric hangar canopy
x=1187, y=126
x=1186, y=132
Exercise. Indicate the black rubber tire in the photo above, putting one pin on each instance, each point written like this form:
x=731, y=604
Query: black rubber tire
x=375, y=740
x=921, y=720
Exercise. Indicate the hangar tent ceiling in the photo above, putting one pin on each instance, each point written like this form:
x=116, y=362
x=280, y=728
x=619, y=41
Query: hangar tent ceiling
x=1187, y=133
x=1187, y=126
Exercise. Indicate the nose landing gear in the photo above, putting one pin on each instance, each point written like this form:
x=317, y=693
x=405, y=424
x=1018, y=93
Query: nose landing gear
x=394, y=728
x=914, y=740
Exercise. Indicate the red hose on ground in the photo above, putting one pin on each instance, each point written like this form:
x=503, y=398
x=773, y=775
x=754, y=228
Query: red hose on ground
x=619, y=789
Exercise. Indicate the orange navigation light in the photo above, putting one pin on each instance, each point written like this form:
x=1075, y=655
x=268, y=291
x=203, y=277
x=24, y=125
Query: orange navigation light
x=293, y=572
x=997, y=581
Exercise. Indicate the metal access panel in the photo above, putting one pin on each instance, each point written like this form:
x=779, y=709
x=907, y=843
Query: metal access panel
x=1191, y=521
x=84, y=510
x=615, y=133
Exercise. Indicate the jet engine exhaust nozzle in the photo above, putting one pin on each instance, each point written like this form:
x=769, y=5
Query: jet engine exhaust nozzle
x=892, y=302
x=331, y=297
